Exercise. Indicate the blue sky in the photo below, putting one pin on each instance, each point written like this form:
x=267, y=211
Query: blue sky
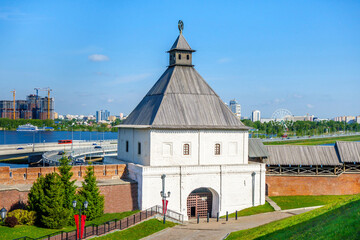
x=300, y=55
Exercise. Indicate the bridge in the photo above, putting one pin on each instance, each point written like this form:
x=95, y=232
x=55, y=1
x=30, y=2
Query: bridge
x=53, y=157
x=20, y=150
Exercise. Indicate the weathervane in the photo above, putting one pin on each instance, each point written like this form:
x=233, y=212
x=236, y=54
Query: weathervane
x=181, y=26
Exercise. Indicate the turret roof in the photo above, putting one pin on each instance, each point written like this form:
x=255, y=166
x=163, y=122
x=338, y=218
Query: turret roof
x=181, y=99
x=181, y=44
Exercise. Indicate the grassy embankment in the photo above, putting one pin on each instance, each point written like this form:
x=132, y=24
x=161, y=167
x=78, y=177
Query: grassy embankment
x=337, y=220
x=291, y=202
x=7, y=233
x=314, y=141
x=138, y=231
x=252, y=210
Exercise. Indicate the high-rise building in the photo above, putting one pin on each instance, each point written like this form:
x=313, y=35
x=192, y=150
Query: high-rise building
x=255, y=116
x=235, y=108
x=98, y=116
x=34, y=107
x=102, y=115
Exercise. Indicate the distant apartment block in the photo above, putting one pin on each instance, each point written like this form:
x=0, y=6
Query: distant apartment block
x=235, y=107
x=34, y=107
x=347, y=119
x=102, y=115
x=255, y=116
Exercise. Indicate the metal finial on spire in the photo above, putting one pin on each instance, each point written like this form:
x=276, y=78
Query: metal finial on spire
x=181, y=26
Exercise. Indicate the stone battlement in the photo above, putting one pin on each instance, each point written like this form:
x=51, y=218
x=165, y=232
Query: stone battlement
x=10, y=176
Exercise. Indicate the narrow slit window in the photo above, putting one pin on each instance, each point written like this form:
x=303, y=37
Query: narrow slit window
x=127, y=146
x=187, y=57
x=217, y=149
x=139, y=148
x=179, y=56
x=186, y=150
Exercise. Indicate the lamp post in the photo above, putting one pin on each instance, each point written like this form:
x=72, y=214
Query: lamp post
x=3, y=212
x=164, y=196
x=80, y=209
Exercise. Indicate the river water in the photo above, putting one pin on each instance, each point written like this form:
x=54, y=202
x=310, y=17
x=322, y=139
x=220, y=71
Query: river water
x=14, y=137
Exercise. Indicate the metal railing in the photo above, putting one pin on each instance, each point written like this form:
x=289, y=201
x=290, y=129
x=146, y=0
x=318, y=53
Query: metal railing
x=115, y=224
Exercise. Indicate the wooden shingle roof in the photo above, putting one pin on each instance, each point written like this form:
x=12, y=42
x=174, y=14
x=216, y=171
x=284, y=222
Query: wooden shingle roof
x=181, y=44
x=257, y=148
x=302, y=155
x=182, y=99
x=349, y=151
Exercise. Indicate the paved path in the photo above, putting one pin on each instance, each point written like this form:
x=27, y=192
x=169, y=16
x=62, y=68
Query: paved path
x=273, y=204
x=218, y=230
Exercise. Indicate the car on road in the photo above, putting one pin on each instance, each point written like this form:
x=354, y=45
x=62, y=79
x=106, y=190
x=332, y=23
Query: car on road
x=20, y=148
x=97, y=146
x=61, y=153
x=94, y=144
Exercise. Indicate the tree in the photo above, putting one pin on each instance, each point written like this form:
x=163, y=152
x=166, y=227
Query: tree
x=46, y=198
x=69, y=186
x=91, y=193
x=53, y=213
x=36, y=196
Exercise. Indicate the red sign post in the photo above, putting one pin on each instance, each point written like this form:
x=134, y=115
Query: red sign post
x=164, y=205
x=82, y=225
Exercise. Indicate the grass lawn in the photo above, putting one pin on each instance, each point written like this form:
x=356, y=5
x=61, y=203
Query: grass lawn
x=315, y=141
x=290, y=202
x=252, y=210
x=139, y=231
x=337, y=220
x=34, y=232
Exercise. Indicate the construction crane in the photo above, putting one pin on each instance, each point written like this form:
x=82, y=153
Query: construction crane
x=13, y=103
x=48, y=100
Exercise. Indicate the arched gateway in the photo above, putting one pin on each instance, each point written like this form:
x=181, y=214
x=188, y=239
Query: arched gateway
x=200, y=202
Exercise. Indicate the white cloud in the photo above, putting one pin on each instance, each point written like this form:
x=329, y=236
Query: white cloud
x=110, y=100
x=98, y=58
x=310, y=105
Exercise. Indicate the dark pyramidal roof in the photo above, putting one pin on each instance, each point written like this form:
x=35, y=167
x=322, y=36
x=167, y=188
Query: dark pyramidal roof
x=181, y=44
x=181, y=99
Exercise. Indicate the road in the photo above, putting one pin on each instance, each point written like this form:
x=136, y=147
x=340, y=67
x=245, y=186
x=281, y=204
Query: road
x=12, y=150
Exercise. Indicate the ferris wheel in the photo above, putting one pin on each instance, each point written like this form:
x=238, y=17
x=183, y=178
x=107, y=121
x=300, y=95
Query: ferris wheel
x=280, y=114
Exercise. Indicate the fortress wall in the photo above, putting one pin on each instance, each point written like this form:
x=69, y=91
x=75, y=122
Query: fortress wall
x=118, y=197
x=10, y=176
x=346, y=183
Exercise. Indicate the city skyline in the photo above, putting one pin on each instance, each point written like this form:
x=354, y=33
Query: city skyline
x=297, y=56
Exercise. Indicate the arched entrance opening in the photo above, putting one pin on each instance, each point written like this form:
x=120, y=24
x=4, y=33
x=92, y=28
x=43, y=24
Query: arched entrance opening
x=200, y=202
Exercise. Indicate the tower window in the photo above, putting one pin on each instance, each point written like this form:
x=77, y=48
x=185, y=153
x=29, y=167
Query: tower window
x=179, y=56
x=139, y=148
x=217, y=149
x=186, y=149
x=127, y=146
x=187, y=57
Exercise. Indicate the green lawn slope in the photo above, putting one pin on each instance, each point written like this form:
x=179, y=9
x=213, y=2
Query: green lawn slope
x=339, y=220
x=138, y=231
x=7, y=233
x=291, y=202
x=252, y=210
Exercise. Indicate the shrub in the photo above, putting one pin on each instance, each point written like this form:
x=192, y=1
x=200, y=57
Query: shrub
x=11, y=222
x=24, y=217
